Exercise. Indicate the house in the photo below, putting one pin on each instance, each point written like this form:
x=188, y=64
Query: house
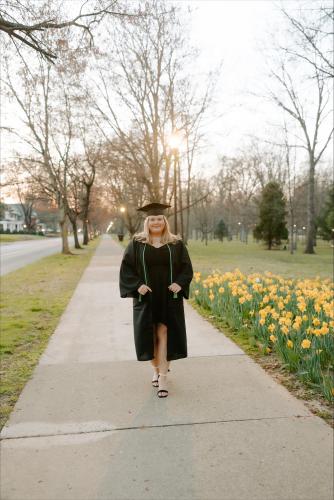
x=12, y=218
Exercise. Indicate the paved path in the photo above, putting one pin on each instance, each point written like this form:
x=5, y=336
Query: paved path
x=20, y=253
x=89, y=426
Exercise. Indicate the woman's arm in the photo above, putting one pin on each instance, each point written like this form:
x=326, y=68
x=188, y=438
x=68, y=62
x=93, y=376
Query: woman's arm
x=186, y=273
x=129, y=280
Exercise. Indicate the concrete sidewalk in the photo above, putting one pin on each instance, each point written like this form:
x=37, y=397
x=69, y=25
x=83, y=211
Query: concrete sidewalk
x=89, y=426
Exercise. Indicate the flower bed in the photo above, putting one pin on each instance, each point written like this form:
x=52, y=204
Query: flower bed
x=294, y=318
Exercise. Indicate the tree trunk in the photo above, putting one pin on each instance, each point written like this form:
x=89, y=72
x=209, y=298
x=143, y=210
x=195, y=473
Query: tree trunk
x=64, y=233
x=187, y=211
x=85, y=232
x=180, y=198
x=75, y=233
x=310, y=234
x=85, y=215
x=291, y=236
x=175, y=193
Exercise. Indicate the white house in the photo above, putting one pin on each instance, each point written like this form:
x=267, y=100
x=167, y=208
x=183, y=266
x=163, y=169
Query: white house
x=13, y=218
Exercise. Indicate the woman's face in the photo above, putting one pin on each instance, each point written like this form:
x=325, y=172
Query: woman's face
x=156, y=224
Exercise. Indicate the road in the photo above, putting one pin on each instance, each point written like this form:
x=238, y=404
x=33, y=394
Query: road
x=19, y=254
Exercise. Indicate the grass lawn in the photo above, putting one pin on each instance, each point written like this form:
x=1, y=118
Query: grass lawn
x=253, y=257
x=10, y=238
x=33, y=299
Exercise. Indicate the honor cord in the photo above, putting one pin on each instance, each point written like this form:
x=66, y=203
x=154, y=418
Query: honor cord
x=171, y=274
x=140, y=295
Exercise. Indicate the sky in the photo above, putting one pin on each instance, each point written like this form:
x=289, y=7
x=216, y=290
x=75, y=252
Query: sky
x=231, y=31
x=235, y=32
x=239, y=32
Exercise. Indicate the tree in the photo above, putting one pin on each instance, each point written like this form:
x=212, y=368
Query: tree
x=237, y=183
x=291, y=188
x=137, y=73
x=27, y=202
x=203, y=212
x=272, y=226
x=314, y=42
x=118, y=180
x=2, y=209
x=143, y=91
x=221, y=230
x=325, y=221
x=28, y=24
x=46, y=108
x=291, y=103
x=82, y=176
x=300, y=88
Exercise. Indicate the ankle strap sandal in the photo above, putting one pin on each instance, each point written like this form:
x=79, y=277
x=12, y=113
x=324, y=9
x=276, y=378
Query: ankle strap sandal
x=162, y=393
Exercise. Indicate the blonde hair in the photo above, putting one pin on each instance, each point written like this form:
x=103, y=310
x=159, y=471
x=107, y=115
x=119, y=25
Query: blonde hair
x=166, y=237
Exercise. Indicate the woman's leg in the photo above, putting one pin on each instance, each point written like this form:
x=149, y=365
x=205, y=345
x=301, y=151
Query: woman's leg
x=162, y=348
x=155, y=360
x=163, y=363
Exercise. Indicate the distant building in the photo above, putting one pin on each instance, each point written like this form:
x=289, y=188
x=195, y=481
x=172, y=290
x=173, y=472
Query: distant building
x=12, y=219
x=48, y=218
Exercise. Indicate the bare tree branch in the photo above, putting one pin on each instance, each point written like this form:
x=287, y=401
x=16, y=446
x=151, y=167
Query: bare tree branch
x=26, y=33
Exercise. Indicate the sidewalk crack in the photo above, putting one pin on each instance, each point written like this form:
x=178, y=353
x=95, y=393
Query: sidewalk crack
x=141, y=427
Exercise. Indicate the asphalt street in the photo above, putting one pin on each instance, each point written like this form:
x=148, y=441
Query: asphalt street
x=16, y=255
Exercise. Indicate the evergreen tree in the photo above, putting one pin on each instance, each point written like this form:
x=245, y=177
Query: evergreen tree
x=220, y=230
x=325, y=220
x=272, y=226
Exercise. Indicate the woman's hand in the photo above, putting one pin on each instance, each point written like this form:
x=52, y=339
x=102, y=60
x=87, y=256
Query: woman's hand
x=143, y=289
x=174, y=287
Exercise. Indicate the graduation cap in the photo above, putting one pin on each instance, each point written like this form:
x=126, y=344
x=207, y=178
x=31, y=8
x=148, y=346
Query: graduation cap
x=154, y=209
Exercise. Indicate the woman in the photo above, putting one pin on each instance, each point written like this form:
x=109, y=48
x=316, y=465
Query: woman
x=156, y=272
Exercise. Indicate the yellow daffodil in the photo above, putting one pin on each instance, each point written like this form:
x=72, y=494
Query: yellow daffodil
x=306, y=344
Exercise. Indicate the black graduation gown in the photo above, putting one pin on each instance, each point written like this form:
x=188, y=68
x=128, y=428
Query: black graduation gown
x=132, y=274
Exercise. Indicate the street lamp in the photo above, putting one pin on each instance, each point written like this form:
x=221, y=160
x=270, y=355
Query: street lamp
x=121, y=234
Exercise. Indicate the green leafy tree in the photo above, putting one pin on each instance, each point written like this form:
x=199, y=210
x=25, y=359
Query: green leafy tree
x=221, y=230
x=325, y=220
x=272, y=226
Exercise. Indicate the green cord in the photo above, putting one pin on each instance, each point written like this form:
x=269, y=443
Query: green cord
x=140, y=295
x=171, y=274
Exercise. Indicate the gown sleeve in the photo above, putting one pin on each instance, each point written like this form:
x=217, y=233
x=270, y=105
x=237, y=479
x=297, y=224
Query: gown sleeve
x=185, y=274
x=129, y=280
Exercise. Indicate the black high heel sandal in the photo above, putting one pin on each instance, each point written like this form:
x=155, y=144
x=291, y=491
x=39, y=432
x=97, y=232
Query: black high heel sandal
x=155, y=382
